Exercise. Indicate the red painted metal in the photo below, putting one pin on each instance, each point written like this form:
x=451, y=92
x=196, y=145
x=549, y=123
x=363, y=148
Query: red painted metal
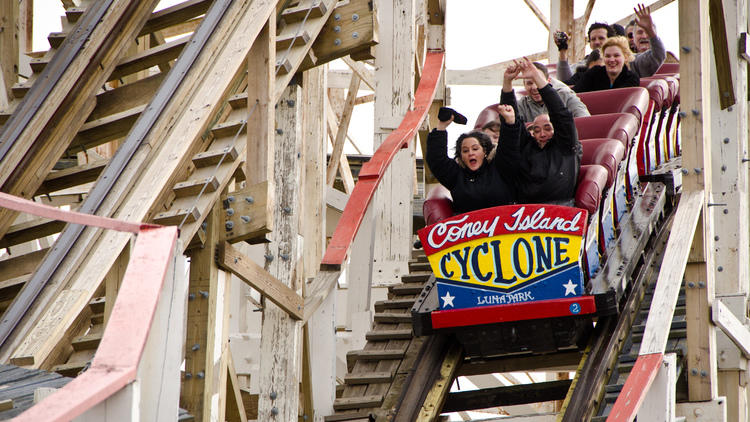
x=636, y=387
x=124, y=339
x=516, y=312
x=40, y=210
x=372, y=171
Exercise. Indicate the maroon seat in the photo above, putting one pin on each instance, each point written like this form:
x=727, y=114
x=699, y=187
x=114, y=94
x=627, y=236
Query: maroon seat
x=658, y=91
x=632, y=100
x=607, y=153
x=620, y=126
x=674, y=87
x=487, y=115
x=438, y=205
x=668, y=68
x=592, y=179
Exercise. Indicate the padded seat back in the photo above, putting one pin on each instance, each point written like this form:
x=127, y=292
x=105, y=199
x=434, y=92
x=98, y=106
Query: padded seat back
x=632, y=100
x=620, y=126
x=438, y=205
x=592, y=179
x=658, y=91
x=608, y=153
x=487, y=115
x=668, y=68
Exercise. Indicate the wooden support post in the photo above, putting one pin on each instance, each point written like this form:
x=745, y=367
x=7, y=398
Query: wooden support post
x=235, y=406
x=696, y=149
x=281, y=336
x=320, y=338
x=562, y=19
x=260, y=121
x=112, y=282
x=730, y=186
x=205, y=380
x=8, y=49
x=435, y=40
x=344, y=171
x=392, y=204
x=346, y=116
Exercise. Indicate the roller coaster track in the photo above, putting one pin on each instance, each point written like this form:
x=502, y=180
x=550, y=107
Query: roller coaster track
x=398, y=377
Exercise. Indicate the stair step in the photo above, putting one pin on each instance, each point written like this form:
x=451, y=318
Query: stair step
x=380, y=335
x=97, y=305
x=283, y=41
x=393, y=317
x=369, y=355
x=676, y=325
x=673, y=334
x=382, y=305
x=212, y=158
x=194, y=187
x=97, y=319
x=152, y=57
x=419, y=277
x=87, y=342
x=357, y=402
x=174, y=217
x=298, y=13
x=69, y=369
x=229, y=129
x=368, y=378
x=238, y=101
x=419, y=266
x=56, y=39
x=283, y=66
x=38, y=64
x=20, y=89
x=406, y=289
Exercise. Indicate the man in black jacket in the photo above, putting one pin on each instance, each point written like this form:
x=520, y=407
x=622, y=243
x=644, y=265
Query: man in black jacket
x=546, y=161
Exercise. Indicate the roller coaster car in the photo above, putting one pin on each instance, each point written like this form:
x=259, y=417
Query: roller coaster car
x=503, y=273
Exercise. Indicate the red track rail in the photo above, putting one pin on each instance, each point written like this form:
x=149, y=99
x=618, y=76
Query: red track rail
x=636, y=387
x=372, y=172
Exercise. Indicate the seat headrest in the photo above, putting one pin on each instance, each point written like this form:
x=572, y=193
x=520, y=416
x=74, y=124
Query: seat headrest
x=438, y=205
x=592, y=179
x=632, y=100
x=620, y=126
x=658, y=91
x=605, y=152
x=668, y=68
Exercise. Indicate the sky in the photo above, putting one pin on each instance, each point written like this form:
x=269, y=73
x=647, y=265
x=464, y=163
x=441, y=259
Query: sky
x=478, y=33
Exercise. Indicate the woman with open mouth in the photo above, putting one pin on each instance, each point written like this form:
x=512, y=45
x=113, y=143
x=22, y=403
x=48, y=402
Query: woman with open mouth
x=615, y=72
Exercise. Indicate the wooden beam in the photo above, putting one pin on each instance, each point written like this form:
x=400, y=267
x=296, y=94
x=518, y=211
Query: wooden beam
x=15, y=266
x=669, y=282
x=30, y=230
x=259, y=279
x=486, y=75
x=235, y=405
x=9, y=13
x=250, y=216
x=346, y=173
x=722, y=316
x=70, y=177
x=721, y=53
x=353, y=35
x=587, y=13
x=653, y=6
x=281, y=341
x=207, y=329
x=336, y=199
x=365, y=74
x=538, y=13
x=346, y=116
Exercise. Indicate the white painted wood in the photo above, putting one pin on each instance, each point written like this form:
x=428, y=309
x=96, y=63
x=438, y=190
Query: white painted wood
x=659, y=403
x=706, y=411
x=731, y=326
x=491, y=75
x=336, y=199
x=121, y=406
x=359, y=279
x=323, y=355
x=394, y=95
x=729, y=175
x=669, y=281
x=281, y=336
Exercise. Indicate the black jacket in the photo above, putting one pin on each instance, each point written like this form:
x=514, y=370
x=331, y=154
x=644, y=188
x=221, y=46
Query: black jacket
x=596, y=79
x=471, y=190
x=541, y=174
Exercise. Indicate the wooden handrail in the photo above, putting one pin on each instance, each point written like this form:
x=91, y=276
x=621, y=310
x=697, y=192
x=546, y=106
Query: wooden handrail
x=372, y=172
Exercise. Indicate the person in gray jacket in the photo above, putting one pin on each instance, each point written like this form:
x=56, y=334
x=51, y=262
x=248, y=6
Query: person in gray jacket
x=651, y=51
x=531, y=105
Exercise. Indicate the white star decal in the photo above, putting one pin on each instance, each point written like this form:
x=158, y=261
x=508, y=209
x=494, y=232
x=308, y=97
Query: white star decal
x=447, y=299
x=570, y=288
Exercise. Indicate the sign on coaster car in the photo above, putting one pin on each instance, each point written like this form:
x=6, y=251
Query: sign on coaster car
x=507, y=255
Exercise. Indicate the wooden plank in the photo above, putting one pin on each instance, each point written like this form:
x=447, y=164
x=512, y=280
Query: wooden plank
x=656, y=5
x=346, y=116
x=538, y=13
x=250, y=217
x=327, y=48
x=19, y=265
x=346, y=173
x=175, y=15
x=9, y=12
x=669, y=282
x=297, y=54
x=636, y=387
x=336, y=199
x=173, y=141
x=433, y=403
x=722, y=316
x=485, y=75
x=30, y=230
x=364, y=74
x=235, y=406
x=70, y=177
x=280, y=353
x=721, y=53
x=259, y=279
x=27, y=156
x=151, y=57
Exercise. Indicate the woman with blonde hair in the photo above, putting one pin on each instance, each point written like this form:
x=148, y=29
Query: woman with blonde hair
x=615, y=72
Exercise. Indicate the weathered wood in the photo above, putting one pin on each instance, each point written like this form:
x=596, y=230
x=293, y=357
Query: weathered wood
x=235, y=405
x=30, y=230
x=258, y=278
x=9, y=12
x=722, y=316
x=281, y=335
x=74, y=176
x=433, y=403
x=338, y=144
x=669, y=282
x=364, y=73
x=250, y=217
x=343, y=164
x=151, y=57
x=538, y=13
x=721, y=53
